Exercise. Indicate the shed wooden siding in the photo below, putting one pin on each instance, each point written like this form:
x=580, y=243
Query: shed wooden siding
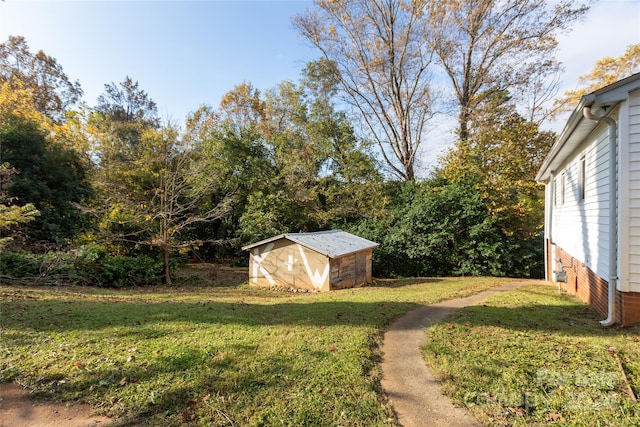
x=285, y=263
x=581, y=226
x=351, y=270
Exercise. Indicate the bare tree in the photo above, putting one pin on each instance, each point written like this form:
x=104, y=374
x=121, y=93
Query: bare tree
x=182, y=198
x=382, y=62
x=486, y=45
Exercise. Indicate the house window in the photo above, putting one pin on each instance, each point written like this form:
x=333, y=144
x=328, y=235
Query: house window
x=562, y=188
x=582, y=178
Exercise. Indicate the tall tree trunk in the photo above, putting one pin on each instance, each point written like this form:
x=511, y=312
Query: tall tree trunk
x=167, y=265
x=409, y=174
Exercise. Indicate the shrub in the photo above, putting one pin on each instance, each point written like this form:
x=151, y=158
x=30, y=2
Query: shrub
x=121, y=271
x=19, y=264
x=89, y=265
x=440, y=228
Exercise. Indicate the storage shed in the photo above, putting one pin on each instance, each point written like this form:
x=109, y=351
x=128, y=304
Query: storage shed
x=322, y=261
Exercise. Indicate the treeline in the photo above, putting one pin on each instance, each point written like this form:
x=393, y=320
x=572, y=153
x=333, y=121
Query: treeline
x=111, y=194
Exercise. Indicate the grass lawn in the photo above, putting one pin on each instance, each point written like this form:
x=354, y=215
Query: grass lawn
x=536, y=357
x=225, y=355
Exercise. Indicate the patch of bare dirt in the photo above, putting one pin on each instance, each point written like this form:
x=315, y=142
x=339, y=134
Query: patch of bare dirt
x=18, y=410
x=209, y=274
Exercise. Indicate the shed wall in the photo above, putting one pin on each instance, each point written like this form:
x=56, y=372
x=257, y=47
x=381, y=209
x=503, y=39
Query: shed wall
x=284, y=263
x=351, y=270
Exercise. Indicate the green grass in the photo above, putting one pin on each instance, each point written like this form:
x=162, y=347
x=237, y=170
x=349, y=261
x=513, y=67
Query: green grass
x=536, y=357
x=216, y=356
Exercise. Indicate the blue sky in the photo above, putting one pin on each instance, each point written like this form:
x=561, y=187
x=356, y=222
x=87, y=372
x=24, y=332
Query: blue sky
x=182, y=53
x=185, y=54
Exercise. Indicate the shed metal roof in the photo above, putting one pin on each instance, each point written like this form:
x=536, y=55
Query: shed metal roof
x=332, y=243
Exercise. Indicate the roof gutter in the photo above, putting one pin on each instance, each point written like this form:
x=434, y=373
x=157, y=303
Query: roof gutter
x=608, y=95
x=565, y=135
x=613, y=214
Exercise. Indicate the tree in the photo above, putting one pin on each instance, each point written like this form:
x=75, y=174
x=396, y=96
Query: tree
x=377, y=52
x=349, y=158
x=127, y=111
x=127, y=103
x=48, y=175
x=435, y=227
x=11, y=215
x=447, y=227
x=48, y=104
x=322, y=173
x=122, y=130
x=181, y=195
x=157, y=187
x=232, y=143
x=487, y=45
x=606, y=71
x=502, y=156
x=41, y=75
x=438, y=227
x=242, y=107
x=291, y=160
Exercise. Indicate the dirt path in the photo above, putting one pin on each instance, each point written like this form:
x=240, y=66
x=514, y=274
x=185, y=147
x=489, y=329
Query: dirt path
x=18, y=410
x=411, y=387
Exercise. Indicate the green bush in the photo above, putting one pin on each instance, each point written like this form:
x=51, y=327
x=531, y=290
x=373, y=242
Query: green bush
x=19, y=264
x=440, y=228
x=121, y=271
x=89, y=265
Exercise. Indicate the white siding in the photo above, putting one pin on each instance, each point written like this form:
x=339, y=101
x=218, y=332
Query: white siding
x=630, y=215
x=580, y=227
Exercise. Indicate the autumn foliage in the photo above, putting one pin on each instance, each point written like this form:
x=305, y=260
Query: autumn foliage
x=116, y=180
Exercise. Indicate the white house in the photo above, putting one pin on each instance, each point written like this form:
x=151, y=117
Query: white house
x=592, y=205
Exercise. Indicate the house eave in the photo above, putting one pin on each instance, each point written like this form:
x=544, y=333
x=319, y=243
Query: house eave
x=575, y=130
x=578, y=128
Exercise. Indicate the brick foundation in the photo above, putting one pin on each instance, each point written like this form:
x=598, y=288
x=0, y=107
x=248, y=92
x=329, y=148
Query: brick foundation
x=628, y=307
x=593, y=289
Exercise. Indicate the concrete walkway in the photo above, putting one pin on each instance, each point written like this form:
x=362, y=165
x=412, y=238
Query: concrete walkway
x=412, y=389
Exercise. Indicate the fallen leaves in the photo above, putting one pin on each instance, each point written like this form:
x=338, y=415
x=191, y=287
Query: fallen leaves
x=555, y=416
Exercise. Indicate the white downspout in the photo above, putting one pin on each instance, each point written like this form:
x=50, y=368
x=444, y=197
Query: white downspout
x=551, y=201
x=613, y=214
